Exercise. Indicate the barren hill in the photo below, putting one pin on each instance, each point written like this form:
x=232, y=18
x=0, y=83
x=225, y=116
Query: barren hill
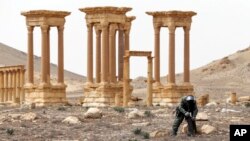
x=11, y=56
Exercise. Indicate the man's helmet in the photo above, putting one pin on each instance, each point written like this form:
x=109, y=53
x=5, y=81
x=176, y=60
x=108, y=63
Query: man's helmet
x=190, y=98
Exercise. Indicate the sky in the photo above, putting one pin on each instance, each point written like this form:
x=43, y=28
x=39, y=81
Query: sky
x=220, y=28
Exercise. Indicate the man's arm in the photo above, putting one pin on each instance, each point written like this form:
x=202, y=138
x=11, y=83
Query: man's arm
x=195, y=110
x=181, y=107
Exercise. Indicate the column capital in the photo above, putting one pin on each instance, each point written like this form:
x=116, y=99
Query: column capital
x=60, y=28
x=98, y=29
x=44, y=28
x=112, y=29
x=104, y=25
x=157, y=28
x=186, y=29
x=30, y=28
x=171, y=29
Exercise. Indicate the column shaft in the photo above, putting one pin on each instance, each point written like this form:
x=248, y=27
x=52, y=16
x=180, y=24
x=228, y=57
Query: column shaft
x=10, y=86
x=22, y=96
x=157, y=55
x=5, y=87
x=149, y=82
x=14, y=87
x=126, y=82
x=90, y=54
x=1, y=86
x=30, y=63
x=120, y=54
x=112, y=57
x=48, y=56
x=104, y=61
x=18, y=84
x=171, y=67
x=98, y=55
x=44, y=29
x=186, y=55
x=60, y=75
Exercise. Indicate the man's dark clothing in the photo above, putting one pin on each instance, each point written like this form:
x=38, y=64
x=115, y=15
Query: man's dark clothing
x=187, y=110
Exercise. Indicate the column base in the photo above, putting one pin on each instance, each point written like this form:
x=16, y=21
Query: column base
x=102, y=95
x=44, y=95
x=171, y=94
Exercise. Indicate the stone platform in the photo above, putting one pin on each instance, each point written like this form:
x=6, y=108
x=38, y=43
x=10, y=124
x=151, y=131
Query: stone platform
x=46, y=95
x=102, y=94
x=170, y=94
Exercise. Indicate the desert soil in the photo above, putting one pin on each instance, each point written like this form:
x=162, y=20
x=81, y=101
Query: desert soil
x=113, y=126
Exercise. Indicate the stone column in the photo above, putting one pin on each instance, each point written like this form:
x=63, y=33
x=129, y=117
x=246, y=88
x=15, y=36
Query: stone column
x=186, y=55
x=10, y=86
x=98, y=55
x=22, y=96
x=126, y=40
x=60, y=77
x=112, y=54
x=30, y=62
x=5, y=86
x=171, y=64
x=18, y=84
x=120, y=54
x=14, y=87
x=107, y=51
x=44, y=80
x=90, y=54
x=157, y=54
x=1, y=86
x=104, y=61
x=126, y=81
x=48, y=56
x=149, y=82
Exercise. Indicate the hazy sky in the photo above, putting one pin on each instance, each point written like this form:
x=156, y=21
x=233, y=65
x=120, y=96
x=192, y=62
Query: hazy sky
x=221, y=27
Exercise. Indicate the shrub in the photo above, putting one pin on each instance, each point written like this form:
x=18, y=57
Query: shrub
x=147, y=113
x=10, y=131
x=61, y=109
x=137, y=131
x=119, y=109
x=145, y=135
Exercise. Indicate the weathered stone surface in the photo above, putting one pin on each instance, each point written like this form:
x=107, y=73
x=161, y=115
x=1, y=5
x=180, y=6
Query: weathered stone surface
x=158, y=133
x=159, y=111
x=71, y=120
x=223, y=110
x=244, y=98
x=211, y=104
x=135, y=114
x=29, y=116
x=184, y=128
x=14, y=116
x=207, y=129
x=142, y=124
x=202, y=116
x=93, y=113
x=28, y=106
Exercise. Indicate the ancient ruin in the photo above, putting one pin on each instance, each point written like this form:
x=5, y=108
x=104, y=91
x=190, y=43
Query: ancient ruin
x=126, y=79
x=107, y=89
x=11, y=84
x=171, y=19
x=45, y=93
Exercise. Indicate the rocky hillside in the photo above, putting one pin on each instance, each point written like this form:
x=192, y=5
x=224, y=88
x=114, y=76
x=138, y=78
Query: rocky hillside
x=11, y=56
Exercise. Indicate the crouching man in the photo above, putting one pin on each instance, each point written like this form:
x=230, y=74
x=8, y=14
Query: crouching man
x=188, y=110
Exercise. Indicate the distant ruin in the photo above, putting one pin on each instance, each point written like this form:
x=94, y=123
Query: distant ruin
x=45, y=93
x=11, y=84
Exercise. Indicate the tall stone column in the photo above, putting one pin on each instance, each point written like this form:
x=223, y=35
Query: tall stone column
x=10, y=86
x=126, y=39
x=98, y=55
x=5, y=86
x=60, y=77
x=48, y=56
x=1, y=86
x=157, y=54
x=18, y=84
x=107, y=51
x=186, y=55
x=120, y=54
x=126, y=81
x=149, y=82
x=104, y=61
x=90, y=54
x=112, y=54
x=44, y=80
x=171, y=64
x=14, y=87
x=22, y=96
x=30, y=62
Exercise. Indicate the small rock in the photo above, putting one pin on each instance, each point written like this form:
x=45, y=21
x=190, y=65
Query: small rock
x=211, y=104
x=28, y=106
x=135, y=114
x=202, y=116
x=207, y=129
x=158, y=133
x=142, y=124
x=244, y=98
x=93, y=113
x=184, y=128
x=29, y=116
x=3, y=118
x=15, y=116
x=159, y=111
x=71, y=120
x=223, y=110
